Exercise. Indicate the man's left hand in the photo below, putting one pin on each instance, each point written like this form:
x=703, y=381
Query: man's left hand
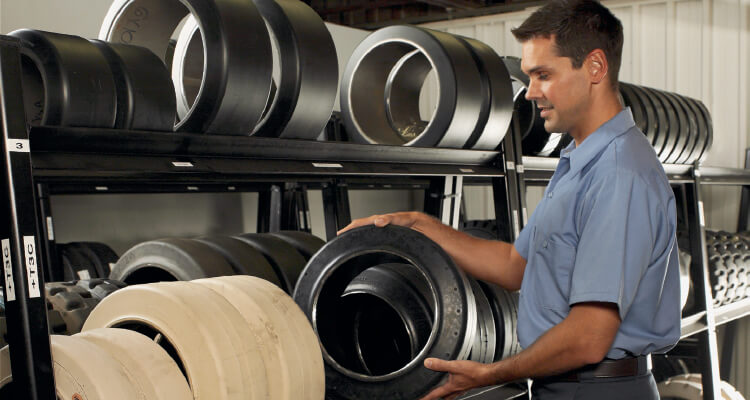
x=463, y=375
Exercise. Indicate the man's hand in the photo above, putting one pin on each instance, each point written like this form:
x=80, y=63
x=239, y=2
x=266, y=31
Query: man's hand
x=407, y=218
x=462, y=376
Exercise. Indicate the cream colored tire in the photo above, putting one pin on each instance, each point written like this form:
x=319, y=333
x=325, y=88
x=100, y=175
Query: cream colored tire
x=292, y=352
x=5, y=375
x=207, y=332
x=148, y=365
x=85, y=371
x=690, y=387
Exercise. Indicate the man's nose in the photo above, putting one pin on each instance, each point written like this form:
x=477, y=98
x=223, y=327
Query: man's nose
x=532, y=92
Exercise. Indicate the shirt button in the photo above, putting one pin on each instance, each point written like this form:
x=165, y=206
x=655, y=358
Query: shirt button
x=545, y=244
x=549, y=195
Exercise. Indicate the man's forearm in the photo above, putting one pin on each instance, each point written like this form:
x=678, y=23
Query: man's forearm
x=488, y=260
x=575, y=342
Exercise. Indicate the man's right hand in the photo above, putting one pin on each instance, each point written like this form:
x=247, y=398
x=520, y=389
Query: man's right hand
x=408, y=219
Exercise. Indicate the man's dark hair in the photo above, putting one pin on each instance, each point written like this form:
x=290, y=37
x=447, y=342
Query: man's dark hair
x=579, y=27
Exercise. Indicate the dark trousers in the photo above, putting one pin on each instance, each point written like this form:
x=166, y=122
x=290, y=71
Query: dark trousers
x=631, y=388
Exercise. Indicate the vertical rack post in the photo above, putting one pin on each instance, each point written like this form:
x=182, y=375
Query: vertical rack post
x=336, y=207
x=708, y=356
x=506, y=191
x=269, y=209
x=23, y=284
x=46, y=229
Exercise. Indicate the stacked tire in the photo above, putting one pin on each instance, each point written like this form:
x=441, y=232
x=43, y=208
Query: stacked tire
x=276, y=257
x=380, y=90
x=690, y=387
x=728, y=266
x=228, y=338
x=381, y=300
x=85, y=260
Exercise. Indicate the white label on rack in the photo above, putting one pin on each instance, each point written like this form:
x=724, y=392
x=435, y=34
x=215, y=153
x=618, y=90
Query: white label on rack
x=84, y=274
x=50, y=230
x=520, y=168
x=525, y=215
x=701, y=218
x=32, y=273
x=182, y=164
x=18, y=145
x=193, y=188
x=466, y=170
x=510, y=165
x=231, y=188
x=10, y=290
x=327, y=165
x=101, y=188
x=515, y=222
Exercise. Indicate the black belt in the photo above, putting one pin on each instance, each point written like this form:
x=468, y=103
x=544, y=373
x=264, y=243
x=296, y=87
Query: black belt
x=629, y=366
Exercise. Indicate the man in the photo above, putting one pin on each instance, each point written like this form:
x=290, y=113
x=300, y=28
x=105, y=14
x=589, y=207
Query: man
x=597, y=263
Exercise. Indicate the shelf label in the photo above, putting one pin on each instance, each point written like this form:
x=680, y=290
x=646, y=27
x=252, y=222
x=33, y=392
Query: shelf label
x=32, y=273
x=193, y=188
x=520, y=168
x=525, y=215
x=50, y=230
x=466, y=170
x=84, y=274
x=515, y=223
x=182, y=164
x=510, y=165
x=10, y=290
x=701, y=217
x=101, y=188
x=17, y=145
x=327, y=165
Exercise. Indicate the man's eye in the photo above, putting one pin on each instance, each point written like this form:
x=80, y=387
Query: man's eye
x=542, y=77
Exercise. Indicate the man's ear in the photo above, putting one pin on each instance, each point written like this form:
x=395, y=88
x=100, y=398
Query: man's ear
x=596, y=65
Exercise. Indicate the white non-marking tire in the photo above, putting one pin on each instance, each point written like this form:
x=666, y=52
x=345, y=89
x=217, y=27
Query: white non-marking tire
x=208, y=334
x=149, y=366
x=288, y=343
x=84, y=369
x=690, y=387
x=5, y=375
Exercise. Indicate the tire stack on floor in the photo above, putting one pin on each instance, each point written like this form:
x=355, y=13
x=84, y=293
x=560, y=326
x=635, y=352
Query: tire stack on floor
x=690, y=387
x=380, y=90
x=226, y=338
x=728, y=266
x=381, y=300
x=68, y=304
x=276, y=257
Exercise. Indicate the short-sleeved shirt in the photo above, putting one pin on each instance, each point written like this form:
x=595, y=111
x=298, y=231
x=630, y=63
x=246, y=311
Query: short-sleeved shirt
x=605, y=232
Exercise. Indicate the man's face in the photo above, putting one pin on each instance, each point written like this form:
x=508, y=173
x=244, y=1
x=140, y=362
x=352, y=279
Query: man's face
x=560, y=91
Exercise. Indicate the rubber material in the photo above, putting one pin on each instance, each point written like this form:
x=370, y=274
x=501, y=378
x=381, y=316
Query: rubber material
x=99, y=255
x=527, y=111
x=147, y=365
x=169, y=259
x=145, y=97
x=95, y=376
x=485, y=341
x=235, y=87
x=208, y=335
x=364, y=81
x=283, y=257
x=68, y=306
x=244, y=259
x=341, y=259
x=289, y=347
x=654, y=115
x=377, y=293
x=498, y=92
x=76, y=265
x=66, y=81
x=306, y=244
x=689, y=128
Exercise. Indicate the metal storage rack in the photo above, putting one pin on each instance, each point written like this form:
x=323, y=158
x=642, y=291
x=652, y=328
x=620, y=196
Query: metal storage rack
x=44, y=161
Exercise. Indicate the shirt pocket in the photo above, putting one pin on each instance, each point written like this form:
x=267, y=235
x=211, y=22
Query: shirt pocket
x=555, y=261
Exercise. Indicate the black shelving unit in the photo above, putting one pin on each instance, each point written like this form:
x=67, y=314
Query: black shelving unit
x=44, y=161
x=702, y=322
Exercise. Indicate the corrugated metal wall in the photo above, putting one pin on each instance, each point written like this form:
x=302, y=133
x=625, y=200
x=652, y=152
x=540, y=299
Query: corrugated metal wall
x=698, y=48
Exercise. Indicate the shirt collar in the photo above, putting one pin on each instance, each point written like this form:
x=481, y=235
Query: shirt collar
x=596, y=142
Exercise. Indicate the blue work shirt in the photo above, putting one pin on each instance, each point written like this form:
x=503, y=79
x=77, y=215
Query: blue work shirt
x=605, y=232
